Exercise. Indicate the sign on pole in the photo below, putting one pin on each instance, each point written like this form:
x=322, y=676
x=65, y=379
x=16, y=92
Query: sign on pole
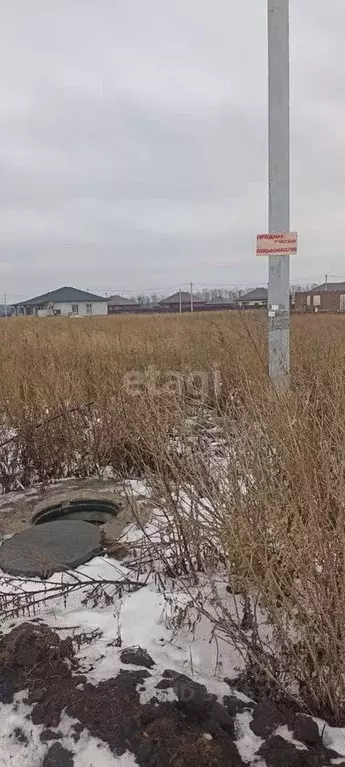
x=276, y=244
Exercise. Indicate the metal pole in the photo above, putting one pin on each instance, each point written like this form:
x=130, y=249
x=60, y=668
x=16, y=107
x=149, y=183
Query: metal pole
x=326, y=281
x=180, y=301
x=191, y=296
x=279, y=189
x=5, y=304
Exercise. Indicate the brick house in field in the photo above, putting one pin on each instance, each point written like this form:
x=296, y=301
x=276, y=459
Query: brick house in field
x=122, y=305
x=66, y=301
x=218, y=304
x=172, y=303
x=329, y=297
x=256, y=298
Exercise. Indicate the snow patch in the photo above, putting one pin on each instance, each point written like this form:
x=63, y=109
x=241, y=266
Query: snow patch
x=247, y=742
x=13, y=752
x=285, y=733
x=332, y=737
x=89, y=751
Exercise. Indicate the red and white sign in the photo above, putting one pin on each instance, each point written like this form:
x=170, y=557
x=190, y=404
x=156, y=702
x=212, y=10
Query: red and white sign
x=276, y=244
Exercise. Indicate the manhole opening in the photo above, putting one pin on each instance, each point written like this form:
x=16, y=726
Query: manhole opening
x=98, y=512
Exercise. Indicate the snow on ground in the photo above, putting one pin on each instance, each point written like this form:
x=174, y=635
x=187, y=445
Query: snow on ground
x=333, y=737
x=137, y=487
x=285, y=733
x=12, y=751
x=20, y=743
x=89, y=751
x=247, y=743
x=139, y=618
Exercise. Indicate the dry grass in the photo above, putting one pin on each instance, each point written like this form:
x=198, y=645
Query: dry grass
x=269, y=512
x=273, y=500
x=54, y=366
x=46, y=363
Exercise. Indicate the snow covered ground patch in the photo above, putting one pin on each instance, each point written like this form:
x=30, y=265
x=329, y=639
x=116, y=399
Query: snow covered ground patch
x=132, y=619
x=23, y=743
x=139, y=616
x=102, y=630
x=19, y=739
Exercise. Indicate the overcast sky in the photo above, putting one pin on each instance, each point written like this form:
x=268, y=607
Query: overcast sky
x=133, y=143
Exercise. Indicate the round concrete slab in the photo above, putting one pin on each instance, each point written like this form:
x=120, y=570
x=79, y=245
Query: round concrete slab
x=55, y=546
x=18, y=508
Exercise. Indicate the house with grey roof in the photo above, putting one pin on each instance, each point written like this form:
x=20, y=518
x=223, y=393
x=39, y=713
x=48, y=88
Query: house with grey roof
x=254, y=299
x=217, y=303
x=328, y=297
x=121, y=305
x=172, y=303
x=65, y=302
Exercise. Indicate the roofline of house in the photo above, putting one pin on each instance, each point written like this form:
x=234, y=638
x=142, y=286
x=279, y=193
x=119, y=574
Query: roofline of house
x=91, y=297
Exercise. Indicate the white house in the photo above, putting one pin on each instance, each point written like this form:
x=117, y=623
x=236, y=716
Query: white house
x=67, y=302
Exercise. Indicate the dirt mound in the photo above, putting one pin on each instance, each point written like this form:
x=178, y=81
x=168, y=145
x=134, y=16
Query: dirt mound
x=30, y=645
x=32, y=656
x=157, y=733
x=57, y=756
x=193, y=731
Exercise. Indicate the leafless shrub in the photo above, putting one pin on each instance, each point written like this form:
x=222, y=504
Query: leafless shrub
x=266, y=518
x=24, y=597
x=256, y=506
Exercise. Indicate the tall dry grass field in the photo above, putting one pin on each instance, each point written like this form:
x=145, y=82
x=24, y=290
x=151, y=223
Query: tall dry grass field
x=113, y=379
x=45, y=362
x=80, y=395
x=83, y=394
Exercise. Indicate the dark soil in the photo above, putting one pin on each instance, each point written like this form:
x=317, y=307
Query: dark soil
x=35, y=659
x=6, y=689
x=48, y=735
x=137, y=657
x=266, y=718
x=193, y=731
x=306, y=730
x=278, y=752
x=57, y=756
x=20, y=736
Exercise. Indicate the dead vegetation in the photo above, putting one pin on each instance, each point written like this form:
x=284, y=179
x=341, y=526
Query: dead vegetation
x=78, y=397
x=250, y=483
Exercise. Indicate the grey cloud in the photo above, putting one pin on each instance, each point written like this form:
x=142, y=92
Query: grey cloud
x=133, y=142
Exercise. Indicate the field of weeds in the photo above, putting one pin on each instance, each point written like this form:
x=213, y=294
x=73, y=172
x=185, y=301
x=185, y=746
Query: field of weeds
x=109, y=391
x=250, y=483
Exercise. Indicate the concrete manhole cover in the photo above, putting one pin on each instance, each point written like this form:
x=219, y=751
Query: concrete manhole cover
x=55, y=546
x=88, y=510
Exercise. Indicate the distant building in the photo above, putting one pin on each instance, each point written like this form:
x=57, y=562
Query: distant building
x=172, y=303
x=255, y=298
x=6, y=311
x=329, y=297
x=66, y=301
x=122, y=305
x=219, y=304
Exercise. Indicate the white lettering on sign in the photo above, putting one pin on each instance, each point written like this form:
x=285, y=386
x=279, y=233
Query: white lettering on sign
x=276, y=244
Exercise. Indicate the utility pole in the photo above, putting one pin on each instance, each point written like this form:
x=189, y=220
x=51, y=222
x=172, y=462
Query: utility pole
x=326, y=282
x=279, y=189
x=5, y=304
x=180, y=301
x=191, y=296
